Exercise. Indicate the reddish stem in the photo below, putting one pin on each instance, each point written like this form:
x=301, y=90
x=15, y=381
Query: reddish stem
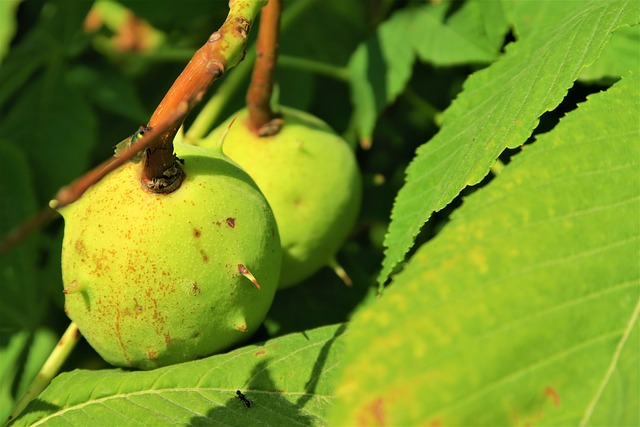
x=262, y=120
x=161, y=172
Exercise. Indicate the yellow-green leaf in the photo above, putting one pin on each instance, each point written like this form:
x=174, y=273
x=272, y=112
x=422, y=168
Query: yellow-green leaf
x=524, y=309
x=500, y=107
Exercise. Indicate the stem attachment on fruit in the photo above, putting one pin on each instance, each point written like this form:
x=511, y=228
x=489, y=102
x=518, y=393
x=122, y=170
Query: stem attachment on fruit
x=224, y=50
x=263, y=121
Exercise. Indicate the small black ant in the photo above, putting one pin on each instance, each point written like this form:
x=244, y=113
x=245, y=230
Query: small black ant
x=243, y=398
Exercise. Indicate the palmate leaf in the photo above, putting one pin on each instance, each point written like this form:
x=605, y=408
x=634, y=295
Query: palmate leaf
x=498, y=108
x=288, y=380
x=524, y=309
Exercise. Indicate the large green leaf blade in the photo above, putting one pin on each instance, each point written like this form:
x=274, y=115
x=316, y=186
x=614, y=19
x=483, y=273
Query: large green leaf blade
x=288, y=379
x=499, y=107
x=621, y=56
x=524, y=309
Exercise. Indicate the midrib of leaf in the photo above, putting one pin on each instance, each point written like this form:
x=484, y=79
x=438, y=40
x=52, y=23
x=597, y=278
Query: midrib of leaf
x=612, y=366
x=473, y=132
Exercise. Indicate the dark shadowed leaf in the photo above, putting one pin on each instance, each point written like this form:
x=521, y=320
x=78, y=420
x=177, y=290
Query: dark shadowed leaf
x=59, y=135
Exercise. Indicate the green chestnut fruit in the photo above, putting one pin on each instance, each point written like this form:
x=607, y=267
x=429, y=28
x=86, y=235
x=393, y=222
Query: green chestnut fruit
x=311, y=179
x=157, y=279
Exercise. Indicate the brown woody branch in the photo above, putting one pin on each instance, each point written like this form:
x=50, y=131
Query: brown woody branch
x=262, y=119
x=223, y=50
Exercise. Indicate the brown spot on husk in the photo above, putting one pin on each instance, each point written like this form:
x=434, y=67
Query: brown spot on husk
x=195, y=289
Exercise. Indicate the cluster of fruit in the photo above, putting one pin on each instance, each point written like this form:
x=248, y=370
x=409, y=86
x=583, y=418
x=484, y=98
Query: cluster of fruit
x=156, y=279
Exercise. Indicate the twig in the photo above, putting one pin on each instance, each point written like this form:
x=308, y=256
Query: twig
x=223, y=50
x=262, y=119
x=210, y=113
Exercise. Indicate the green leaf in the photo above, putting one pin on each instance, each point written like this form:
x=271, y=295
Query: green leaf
x=288, y=379
x=110, y=90
x=23, y=346
x=446, y=37
x=494, y=21
x=527, y=17
x=323, y=30
x=524, y=309
x=56, y=36
x=620, y=56
x=21, y=303
x=8, y=10
x=498, y=108
x=54, y=125
x=442, y=34
x=379, y=70
x=22, y=355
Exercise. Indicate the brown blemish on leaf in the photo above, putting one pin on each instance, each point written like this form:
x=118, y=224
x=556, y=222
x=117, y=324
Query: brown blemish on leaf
x=167, y=339
x=231, y=222
x=241, y=328
x=373, y=413
x=204, y=256
x=261, y=352
x=197, y=233
x=553, y=394
x=246, y=273
x=152, y=355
